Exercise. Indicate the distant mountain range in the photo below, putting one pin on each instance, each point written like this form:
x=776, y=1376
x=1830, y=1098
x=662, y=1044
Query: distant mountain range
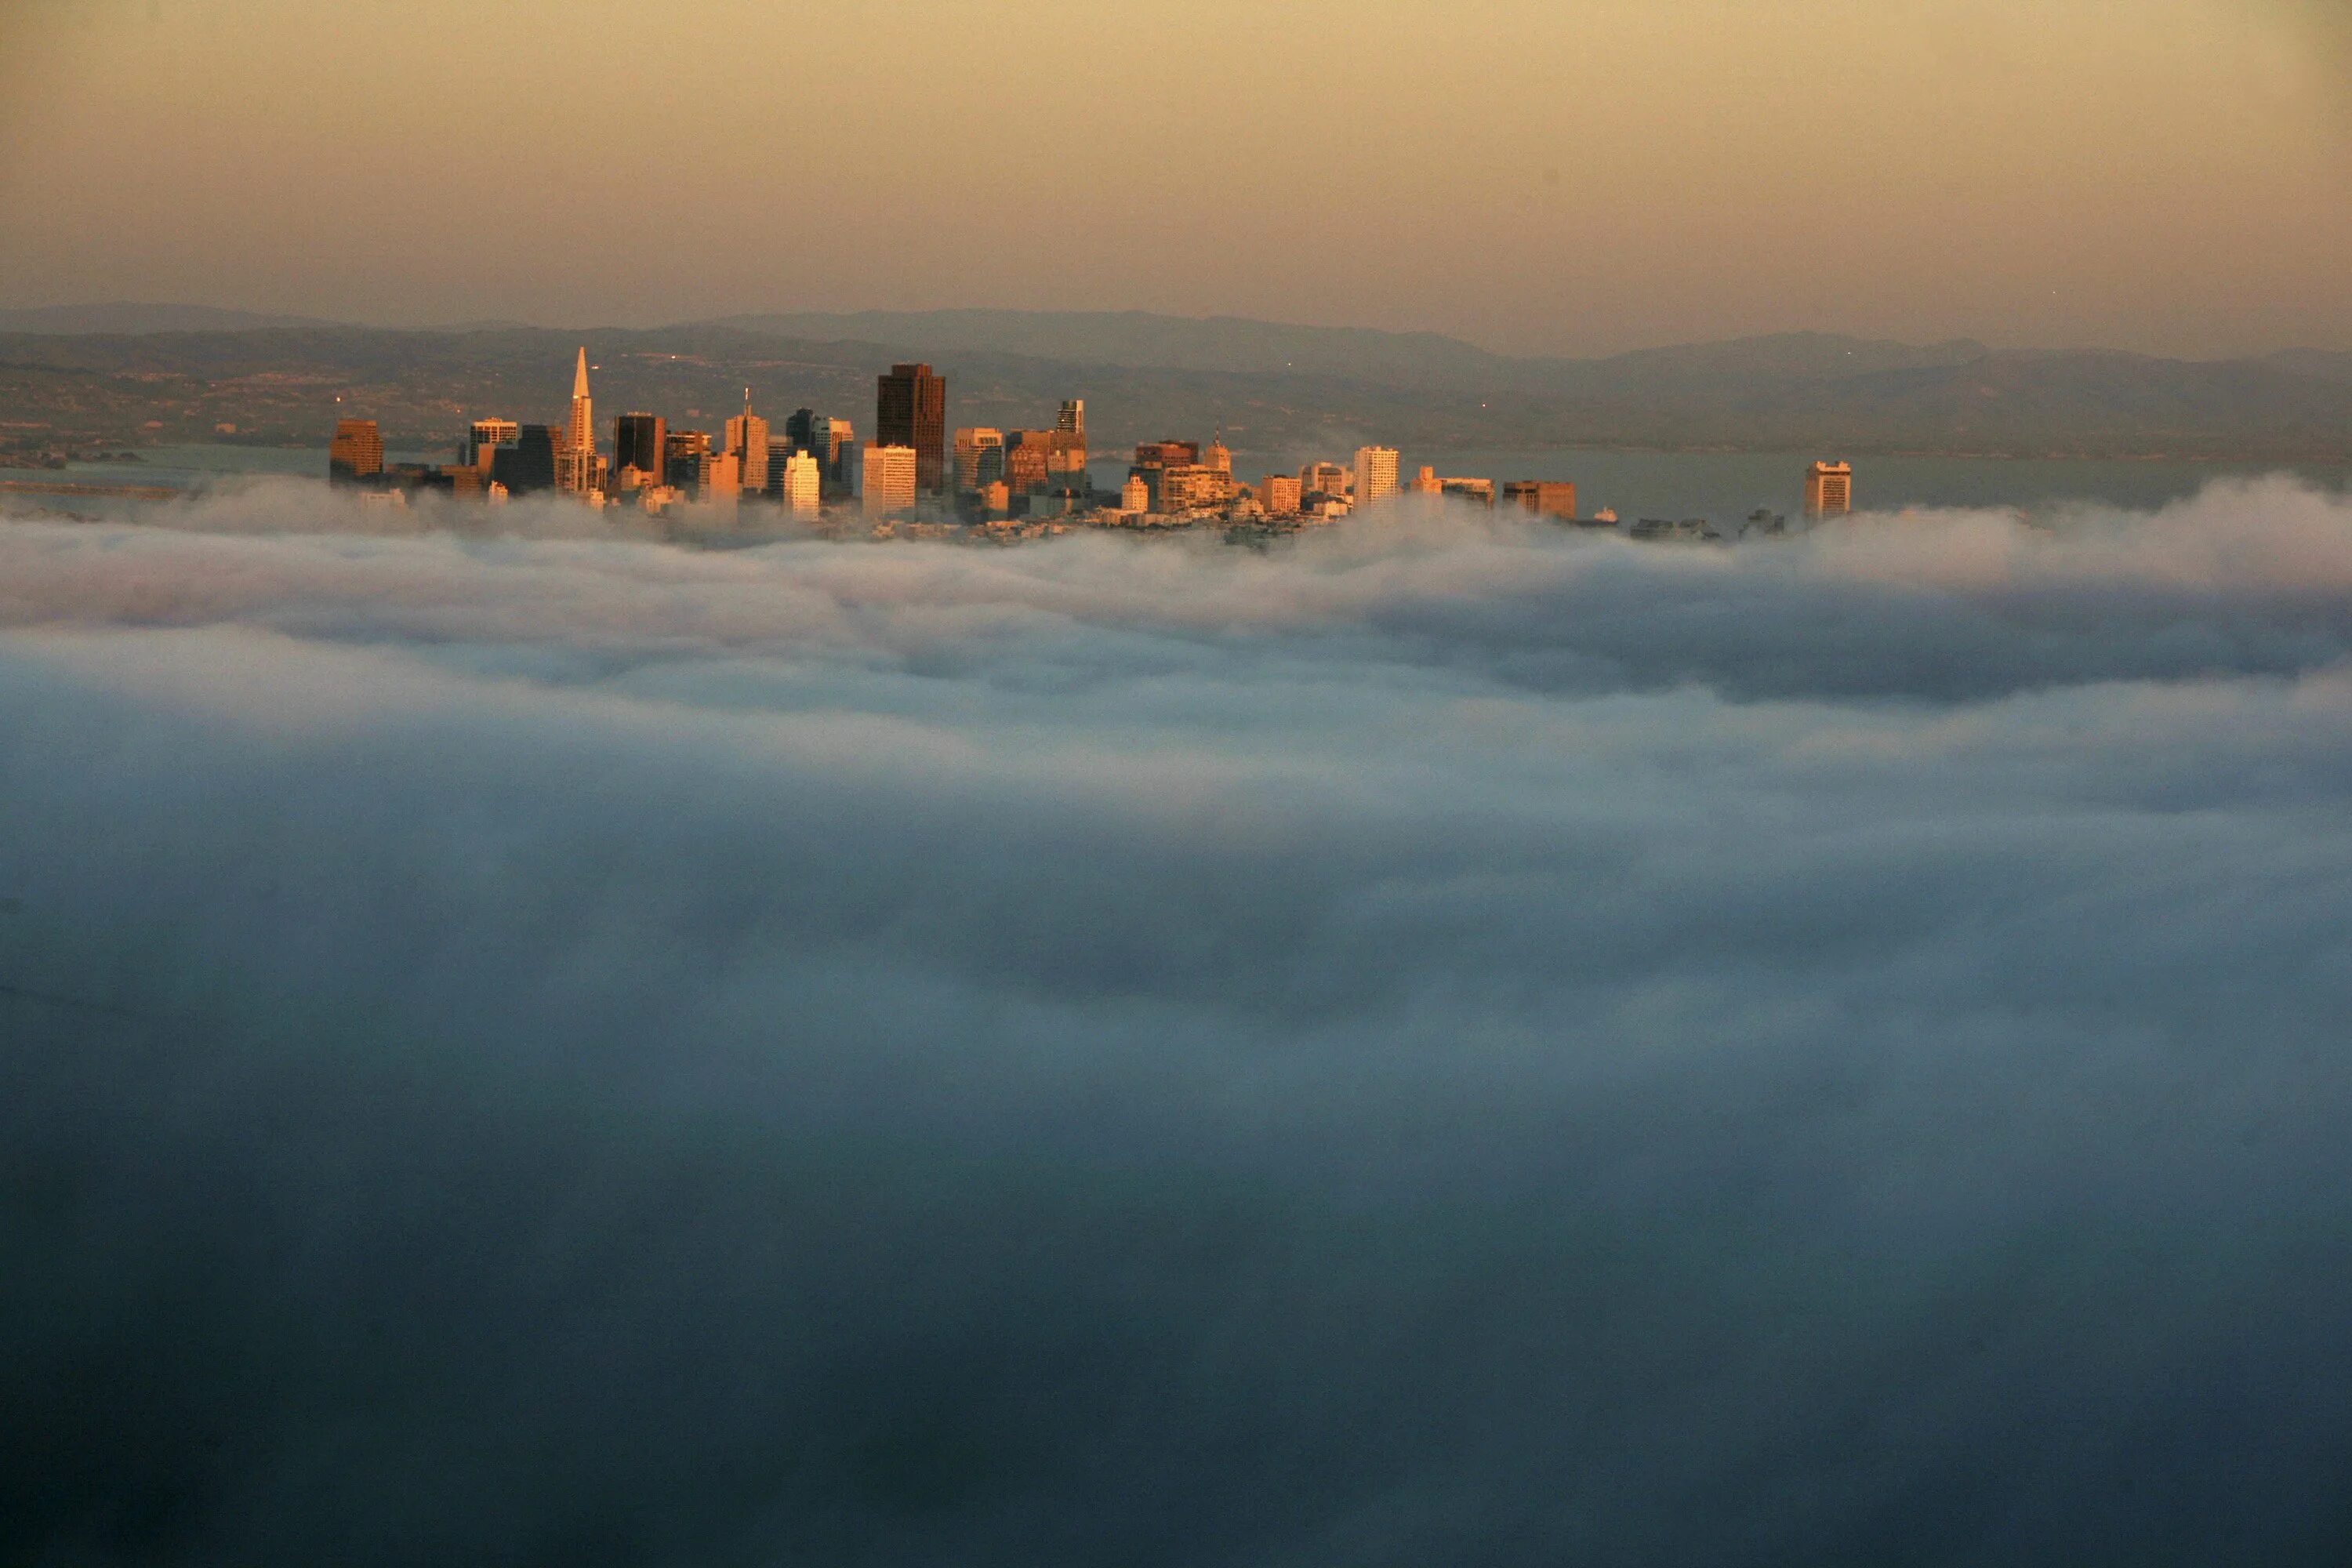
x=156, y=373
x=74, y=319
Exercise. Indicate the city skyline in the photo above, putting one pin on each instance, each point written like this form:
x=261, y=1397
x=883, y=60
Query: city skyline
x=1037, y=483
x=1532, y=179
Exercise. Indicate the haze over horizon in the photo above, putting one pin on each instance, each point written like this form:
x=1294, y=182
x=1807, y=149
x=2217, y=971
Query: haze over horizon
x=2165, y=178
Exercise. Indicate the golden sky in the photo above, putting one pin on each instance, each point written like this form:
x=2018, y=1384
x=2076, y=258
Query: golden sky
x=1535, y=174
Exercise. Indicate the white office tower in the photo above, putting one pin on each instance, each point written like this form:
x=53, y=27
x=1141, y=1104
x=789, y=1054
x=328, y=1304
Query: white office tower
x=746, y=443
x=889, y=480
x=801, y=484
x=1376, y=475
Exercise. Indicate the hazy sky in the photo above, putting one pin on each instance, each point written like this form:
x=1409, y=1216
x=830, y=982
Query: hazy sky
x=1541, y=174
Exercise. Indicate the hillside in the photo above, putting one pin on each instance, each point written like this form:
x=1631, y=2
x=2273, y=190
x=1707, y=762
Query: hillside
x=1791, y=393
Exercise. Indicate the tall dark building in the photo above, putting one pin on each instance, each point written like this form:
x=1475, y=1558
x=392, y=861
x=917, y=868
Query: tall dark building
x=356, y=454
x=910, y=409
x=640, y=441
x=801, y=430
x=528, y=465
x=682, y=457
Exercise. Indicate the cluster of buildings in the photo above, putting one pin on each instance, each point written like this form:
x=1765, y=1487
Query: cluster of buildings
x=1021, y=481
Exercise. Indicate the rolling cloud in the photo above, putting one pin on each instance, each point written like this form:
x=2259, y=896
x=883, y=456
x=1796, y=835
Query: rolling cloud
x=1444, y=1042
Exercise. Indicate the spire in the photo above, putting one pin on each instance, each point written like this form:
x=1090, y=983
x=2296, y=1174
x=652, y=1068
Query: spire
x=580, y=377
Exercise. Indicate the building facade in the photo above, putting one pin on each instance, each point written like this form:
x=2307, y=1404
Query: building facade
x=355, y=455
x=640, y=441
x=979, y=458
x=529, y=463
x=910, y=410
x=1829, y=490
x=802, y=494
x=893, y=479
x=1376, y=475
x=486, y=437
x=1545, y=498
x=746, y=443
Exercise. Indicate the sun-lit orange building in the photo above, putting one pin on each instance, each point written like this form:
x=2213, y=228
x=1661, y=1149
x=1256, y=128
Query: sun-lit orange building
x=1829, y=490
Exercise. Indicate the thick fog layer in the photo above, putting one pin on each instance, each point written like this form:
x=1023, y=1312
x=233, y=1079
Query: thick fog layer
x=1440, y=1043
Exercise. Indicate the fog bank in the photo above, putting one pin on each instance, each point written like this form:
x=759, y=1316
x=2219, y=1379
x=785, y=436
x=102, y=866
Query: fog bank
x=1449, y=1042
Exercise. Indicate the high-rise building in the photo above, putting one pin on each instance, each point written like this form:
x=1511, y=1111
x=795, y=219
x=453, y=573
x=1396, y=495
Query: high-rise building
x=529, y=463
x=979, y=458
x=577, y=469
x=780, y=452
x=1829, y=490
x=640, y=441
x=486, y=438
x=833, y=443
x=1376, y=475
x=1279, y=494
x=800, y=429
x=1029, y=463
x=746, y=443
x=355, y=456
x=682, y=454
x=910, y=410
x=1218, y=458
x=893, y=476
x=802, y=491
x=1193, y=487
x=1545, y=498
x=720, y=483
x=1071, y=420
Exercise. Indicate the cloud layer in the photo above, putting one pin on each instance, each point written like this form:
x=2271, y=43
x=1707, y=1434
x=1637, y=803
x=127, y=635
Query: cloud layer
x=1446, y=1043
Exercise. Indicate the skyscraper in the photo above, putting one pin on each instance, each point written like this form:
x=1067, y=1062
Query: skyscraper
x=833, y=443
x=747, y=442
x=1072, y=419
x=890, y=479
x=640, y=441
x=979, y=458
x=529, y=463
x=1376, y=475
x=356, y=453
x=802, y=491
x=578, y=471
x=486, y=438
x=1829, y=490
x=682, y=454
x=800, y=429
x=910, y=409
